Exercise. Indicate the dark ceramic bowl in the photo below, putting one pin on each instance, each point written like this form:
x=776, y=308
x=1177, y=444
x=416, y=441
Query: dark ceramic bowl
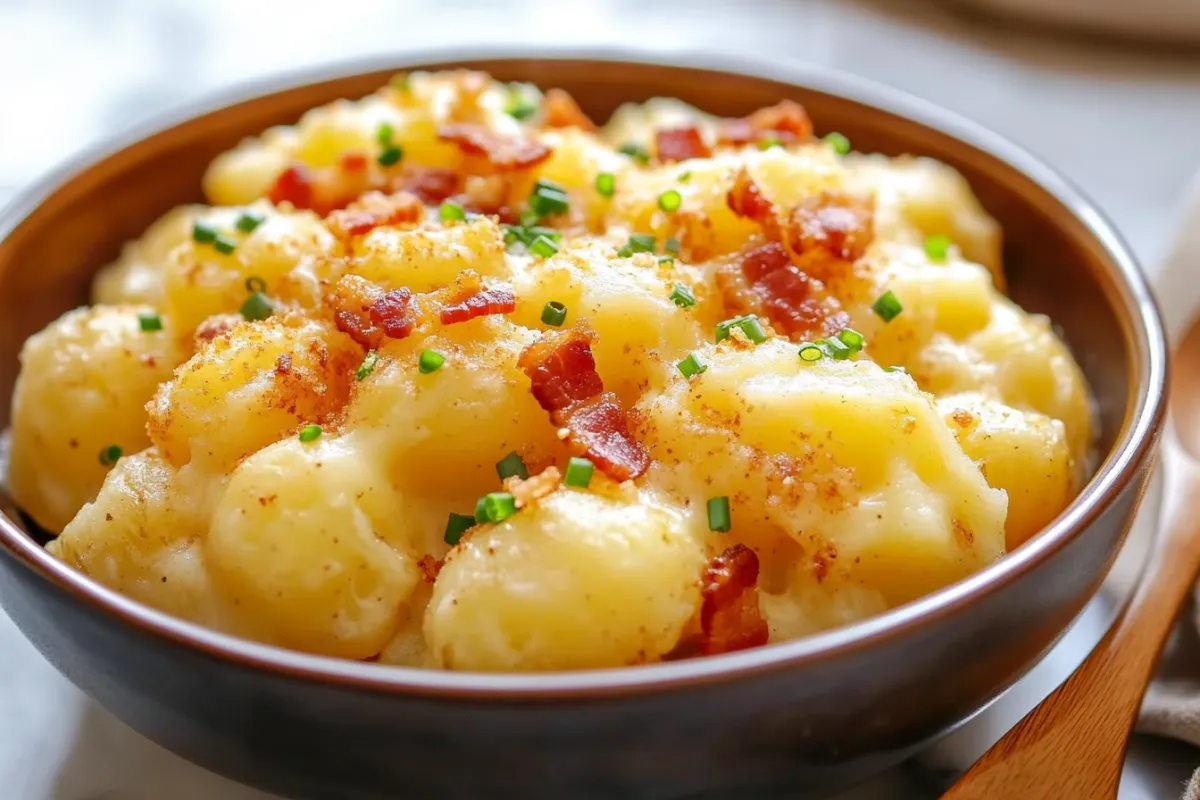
x=799, y=717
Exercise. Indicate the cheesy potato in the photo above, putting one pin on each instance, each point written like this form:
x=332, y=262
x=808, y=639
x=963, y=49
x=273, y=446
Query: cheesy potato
x=450, y=377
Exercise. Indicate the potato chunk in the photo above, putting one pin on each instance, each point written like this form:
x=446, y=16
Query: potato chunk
x=301, y=544
x=580, y=580
x=83, y=387
x=431, y=256
x=138, y=275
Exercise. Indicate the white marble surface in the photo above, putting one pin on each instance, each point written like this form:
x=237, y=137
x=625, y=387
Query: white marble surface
x=1122, y=123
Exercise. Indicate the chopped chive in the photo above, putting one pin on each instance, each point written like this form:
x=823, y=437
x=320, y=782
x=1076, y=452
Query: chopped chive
x=839, y=142
x=223, y=244
x=367, y=366
x=543, y=246
x=937, y=246
x=456, y=526
x=899, y=369
x=836, y=349
x=247, y=221
x=390, y=155
x=670, y=200
x=691, y=366
x=671, y=245
x=255, y=284
x=495, y=507
x=548, y=198
x=641, y=243
x=149, y=322
x=684, y=176
x=384, y=133
x=768, y=143
x=666, y=259
x=579, y=472
x=718, y=514
x=749, y=325
x=256, y=307
x=606, y=184
x=636, y=152
x=554, y=313
x=450, y=211
x=110, y=455
x=529, y=218
x=519, y=106
x=430, y=361
x=309, y=433
x=625, y=252
x=203, y=233
x=887, y=306
x=811, y=352
x=682, y=296
x=512, y=464
x=852, y=339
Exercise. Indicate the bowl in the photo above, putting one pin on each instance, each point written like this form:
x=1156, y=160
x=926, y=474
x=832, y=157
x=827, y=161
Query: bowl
x=802, y=716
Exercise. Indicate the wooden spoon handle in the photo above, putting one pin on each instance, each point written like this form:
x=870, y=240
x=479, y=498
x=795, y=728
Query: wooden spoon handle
x=1072, y=745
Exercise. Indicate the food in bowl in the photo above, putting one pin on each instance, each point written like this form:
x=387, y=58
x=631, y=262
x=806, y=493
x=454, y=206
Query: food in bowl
x=449, y=377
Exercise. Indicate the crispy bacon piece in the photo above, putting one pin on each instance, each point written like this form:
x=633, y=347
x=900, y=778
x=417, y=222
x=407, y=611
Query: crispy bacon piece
x=746, y=200
x=354, y=162
x=563, y=112
x=680, y=144
x=294, y=185
x=373, y=210
x=564, y=381
x=480, y=304
x=730, y=618
x=431, y=184
x=392, y=314
x=351, y=300
x=764, y=281
x=321, y=190
x=838, y=225
x=507, y=153
x=215, y=326
x=786, y=121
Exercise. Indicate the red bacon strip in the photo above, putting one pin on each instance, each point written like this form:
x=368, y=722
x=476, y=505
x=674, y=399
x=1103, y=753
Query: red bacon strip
x=730, y=618
x=294, y=185
x=431, y=184
x=786, y=121
x=505, y=153
x=373, y=210
x=564, y=381
x=745, y=199
x=838, y=225
x=392, y=314
x=563, y=112
x=680, y=144
x=480, y=304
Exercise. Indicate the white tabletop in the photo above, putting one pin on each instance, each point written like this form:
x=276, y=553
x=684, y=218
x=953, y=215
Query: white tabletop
x=1122, y=123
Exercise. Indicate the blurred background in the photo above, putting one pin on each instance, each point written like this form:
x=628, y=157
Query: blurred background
x=1107, y=91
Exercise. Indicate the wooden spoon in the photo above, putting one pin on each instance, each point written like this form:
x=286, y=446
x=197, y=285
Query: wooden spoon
x=1072, y=745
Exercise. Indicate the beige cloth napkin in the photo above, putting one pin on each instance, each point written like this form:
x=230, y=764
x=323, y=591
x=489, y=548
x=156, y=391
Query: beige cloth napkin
x=1172, y=703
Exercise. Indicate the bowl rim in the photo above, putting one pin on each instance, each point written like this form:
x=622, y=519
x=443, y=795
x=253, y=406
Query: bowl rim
x=1130, y=450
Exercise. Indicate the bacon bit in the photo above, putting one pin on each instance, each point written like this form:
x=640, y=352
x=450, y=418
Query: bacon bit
x=215, y=326
x=962, y=418
x=680, y=144
x=599, y=429
x=506, y=153
x=564, y=381
x=294, y=185
x=786, y=121
x=488, y=301
x=392, y=314
x=352, y=299
x=529, y=490
x=354, y=162
x=730, y=618
x=746, y=200
x=838, y=225
x=561, y=369
x=431, y=184
x=821, y=561
x=488, y=194
x=563, y=112
x=430, y=567
x=373, y=210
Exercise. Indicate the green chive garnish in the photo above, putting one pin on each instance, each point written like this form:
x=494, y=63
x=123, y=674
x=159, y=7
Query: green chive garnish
x=839, y=143
x=671, y=245
x=450, y=211
x=670, y=200
x=685, y=176
x=367, y=366
x=899, y=369
x=519, y=106
x=149, y=322
x=937, y=246
x=606, y=184
x=749, y=325
x=495, y=507
x=309, y=433
x=887, y=306
x=767, y=144
x=554, y=313
x=836, y=349
x=543, y=246
x=852, y=339
x=548, y=198
x=203, y=233
x=456, y=526
x=529, y=218
x=390, y=155
x=579, y=472
x=257, y=307
x=718, y=514
x=384, y=133
x=636, y=152
x=430, y=361
x=247, y=221
x=811, y=352
x=223, y=244
x=255, y=284
x=691, y=366
x=641, y=243
x=512, y=464
x=682, y=296
x=110, y=455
